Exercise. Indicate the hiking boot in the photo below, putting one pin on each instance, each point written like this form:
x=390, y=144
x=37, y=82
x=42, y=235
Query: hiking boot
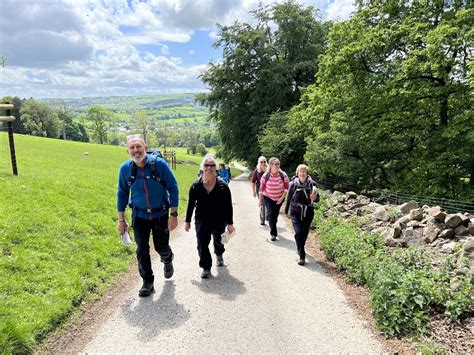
x=168, y=270
x=301, y=261
x=146, y=290
x=205, y=274
x=220, y=260
x=262, y=223
x=273, y=238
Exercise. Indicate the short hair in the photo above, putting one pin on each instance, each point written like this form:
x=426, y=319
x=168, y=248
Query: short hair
x=301, y=167
x=206, y=158
x=135, y=136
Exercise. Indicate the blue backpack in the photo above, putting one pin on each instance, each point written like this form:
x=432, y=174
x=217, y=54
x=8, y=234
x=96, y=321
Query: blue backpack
x=152, y=155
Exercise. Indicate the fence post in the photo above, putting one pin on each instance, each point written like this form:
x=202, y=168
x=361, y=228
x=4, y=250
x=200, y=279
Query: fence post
x=9, y=119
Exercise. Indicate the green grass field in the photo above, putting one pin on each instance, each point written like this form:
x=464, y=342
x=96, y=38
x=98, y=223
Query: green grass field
x=58, y=238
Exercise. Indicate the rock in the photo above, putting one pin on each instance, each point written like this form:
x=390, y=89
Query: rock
x=430, y=234
x=416, y=224
x=416, y=214
x=447, y=248
x=363, y=200
x=446, y=234
x=471, y=229
x=454, y=220
x=391, y=242
x=407, y=207
x=412, y=236
x=461, y=230
x=402, y=222
x=467, y=250
x=391, y=233
x=351, y=195
x=345, y=214
x=380, y=214
x=357, y=205
x=437, y=213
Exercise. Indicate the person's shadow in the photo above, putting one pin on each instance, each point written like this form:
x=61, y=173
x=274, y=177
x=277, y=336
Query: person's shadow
x=154, y=315
x=223, y=284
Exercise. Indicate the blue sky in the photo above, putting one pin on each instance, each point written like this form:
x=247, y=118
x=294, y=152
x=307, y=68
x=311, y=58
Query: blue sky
x=82, y=48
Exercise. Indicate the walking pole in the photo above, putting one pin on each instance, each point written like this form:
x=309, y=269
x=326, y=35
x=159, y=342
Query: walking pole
x=9, y=119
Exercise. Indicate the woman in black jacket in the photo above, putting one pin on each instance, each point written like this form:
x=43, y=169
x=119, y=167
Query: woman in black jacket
x=302, y=194
x=211, y=197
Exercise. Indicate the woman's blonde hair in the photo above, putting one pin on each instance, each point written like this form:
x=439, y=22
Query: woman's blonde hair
x=271, y=162
x=302, y=167
x=206, y=158
x=259, y=169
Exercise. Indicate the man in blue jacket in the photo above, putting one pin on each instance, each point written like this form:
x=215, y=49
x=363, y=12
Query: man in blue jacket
x=153, y=196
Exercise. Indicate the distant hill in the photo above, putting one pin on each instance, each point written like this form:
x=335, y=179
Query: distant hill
x=162, y=107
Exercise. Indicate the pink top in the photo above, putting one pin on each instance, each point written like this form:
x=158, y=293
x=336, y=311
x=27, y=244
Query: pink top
x=274, y=187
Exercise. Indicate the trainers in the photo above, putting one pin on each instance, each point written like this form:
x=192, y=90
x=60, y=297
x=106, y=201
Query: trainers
x=168, y=270
x=146, y=289
x=301, y=261
x=262, y=223
x=220, y=260
x=205, y=274
x=273, y=238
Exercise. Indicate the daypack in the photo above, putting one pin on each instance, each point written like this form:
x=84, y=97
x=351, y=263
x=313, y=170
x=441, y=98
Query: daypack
x=152, y=155
x=282, y=176
x=301, y=195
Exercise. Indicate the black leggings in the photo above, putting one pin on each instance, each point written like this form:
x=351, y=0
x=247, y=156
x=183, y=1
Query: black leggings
x=273, y=209
x=204, y=232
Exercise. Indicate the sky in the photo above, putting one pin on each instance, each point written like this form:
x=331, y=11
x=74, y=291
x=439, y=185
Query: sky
x=87, y=48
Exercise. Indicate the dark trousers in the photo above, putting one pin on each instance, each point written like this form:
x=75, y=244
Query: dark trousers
x=204, y=231
x=272, y=209
x=159, y=229
x=301, y=227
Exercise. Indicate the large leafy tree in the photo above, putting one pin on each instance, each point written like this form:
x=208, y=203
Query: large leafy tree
x=18, y=125
x=99, y=118
x=263, y=69
x=39, y=119
x=393, y=107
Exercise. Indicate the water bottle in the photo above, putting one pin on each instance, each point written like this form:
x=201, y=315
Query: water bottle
x=126, y=238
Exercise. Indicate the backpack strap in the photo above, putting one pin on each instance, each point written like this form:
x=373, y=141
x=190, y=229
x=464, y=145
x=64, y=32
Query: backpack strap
x=282, y=176
x=154, y=173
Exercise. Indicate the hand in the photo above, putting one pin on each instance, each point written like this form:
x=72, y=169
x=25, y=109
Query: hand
x=172, y=223
x=312, y=196
x=122, y=227
x=260, y=203
x=230, y=228
x=280, y=200
x=187, y=226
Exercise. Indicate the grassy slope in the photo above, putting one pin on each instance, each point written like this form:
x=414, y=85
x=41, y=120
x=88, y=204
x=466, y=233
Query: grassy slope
x=58, y=242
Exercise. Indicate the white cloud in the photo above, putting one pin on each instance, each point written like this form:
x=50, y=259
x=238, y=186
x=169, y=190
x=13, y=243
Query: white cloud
x=340, y=10
x=70, y=48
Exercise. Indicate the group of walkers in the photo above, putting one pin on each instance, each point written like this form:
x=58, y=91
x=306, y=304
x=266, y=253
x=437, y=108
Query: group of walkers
x=271, y=185
x=147, y=185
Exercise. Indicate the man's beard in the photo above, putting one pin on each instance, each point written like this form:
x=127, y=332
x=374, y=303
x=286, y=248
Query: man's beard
x=137, y=160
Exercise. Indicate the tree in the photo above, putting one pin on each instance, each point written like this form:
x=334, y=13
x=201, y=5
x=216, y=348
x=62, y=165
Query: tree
x=142, y=123
x=39, y=119
x=18, y=125
x=99, y=119
x=392, y=106
x=263, y=70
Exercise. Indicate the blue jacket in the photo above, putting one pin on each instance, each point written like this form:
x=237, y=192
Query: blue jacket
x=146, y=193
x=224, y=174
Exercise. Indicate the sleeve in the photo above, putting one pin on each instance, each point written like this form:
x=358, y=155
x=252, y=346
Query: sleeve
x=228, y=203
x=263, y=183
x=286, y=182
x=291, y=191
x=230, y=175
x=254, y=176
x=123, y=190
x=191, y=203
x=168, y=178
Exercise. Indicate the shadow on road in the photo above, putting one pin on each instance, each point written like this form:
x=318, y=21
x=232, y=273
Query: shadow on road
x=222, y=283
x=153, y=314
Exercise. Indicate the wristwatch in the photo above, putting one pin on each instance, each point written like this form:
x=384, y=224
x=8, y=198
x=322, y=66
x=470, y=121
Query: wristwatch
x=174, y=214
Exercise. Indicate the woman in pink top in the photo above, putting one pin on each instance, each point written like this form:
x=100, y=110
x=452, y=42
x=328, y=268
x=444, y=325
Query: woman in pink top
x=273, y=189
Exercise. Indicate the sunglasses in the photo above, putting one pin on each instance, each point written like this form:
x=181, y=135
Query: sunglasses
x=277, y=164
x=210, y=165
x=263, y=162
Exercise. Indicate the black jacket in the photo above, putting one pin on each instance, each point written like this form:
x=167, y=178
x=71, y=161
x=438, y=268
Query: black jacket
x=214, y=207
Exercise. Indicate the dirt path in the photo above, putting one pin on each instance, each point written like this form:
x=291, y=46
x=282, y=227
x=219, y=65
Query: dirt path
x=260, y=301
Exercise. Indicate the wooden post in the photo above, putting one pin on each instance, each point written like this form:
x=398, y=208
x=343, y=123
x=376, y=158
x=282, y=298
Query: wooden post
x=9, y=119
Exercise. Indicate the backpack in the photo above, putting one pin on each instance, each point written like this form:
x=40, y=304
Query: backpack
x=301, y=196
x=152, y=154
x=282, y=176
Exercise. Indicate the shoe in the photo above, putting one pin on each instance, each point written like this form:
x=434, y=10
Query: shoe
x=301, y=261
x=168, y=270
x=262, y=223
x=273, y=238
x=220, y=260
x=146, y=289
x=205, y=274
